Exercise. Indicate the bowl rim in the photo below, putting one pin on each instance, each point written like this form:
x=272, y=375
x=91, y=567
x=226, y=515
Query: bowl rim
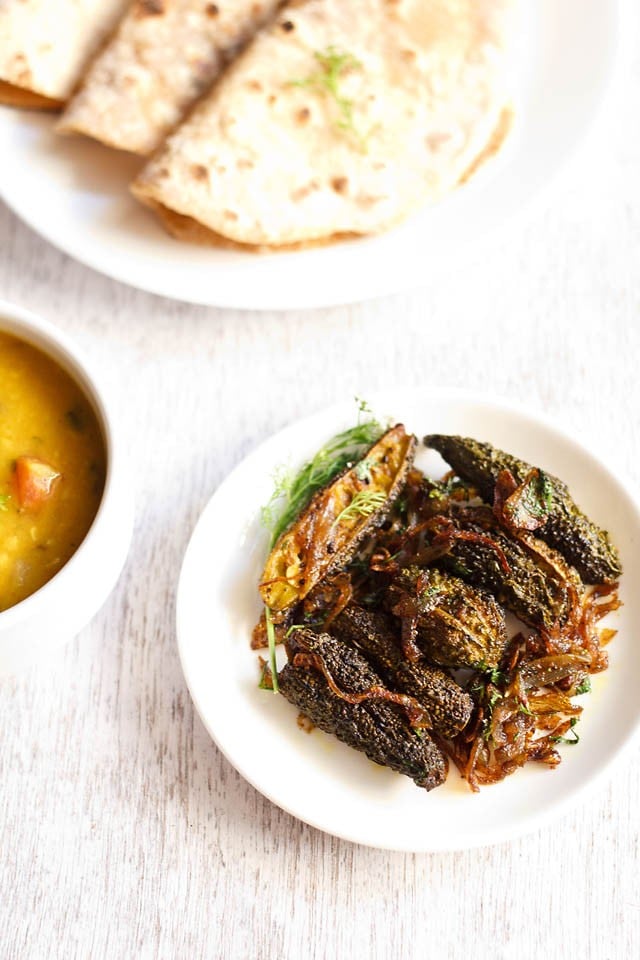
x=30, y=327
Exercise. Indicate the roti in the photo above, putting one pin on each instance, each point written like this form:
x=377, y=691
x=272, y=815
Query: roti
x=165, y=54
x=46, y=44
x=339, y=119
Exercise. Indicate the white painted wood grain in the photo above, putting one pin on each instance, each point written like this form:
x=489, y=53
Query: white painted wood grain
x=124, y=832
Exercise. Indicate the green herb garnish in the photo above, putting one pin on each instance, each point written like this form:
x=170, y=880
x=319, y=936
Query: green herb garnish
x=487, y=693
x=537, y=494
x=364, y=503
x=292, y=493
x=530, y=503
x=4, y=500
x=584, y=687
x=401, y=504
x=491, y=674
x=545, y=491
x=444, y=489
x=363, y=470
x=363, y=407
x=271, y=637
x=576, y=738
x=491, y=697
x=333, y=65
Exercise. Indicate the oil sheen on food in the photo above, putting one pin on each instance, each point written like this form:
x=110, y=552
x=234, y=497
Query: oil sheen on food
x=52, y=468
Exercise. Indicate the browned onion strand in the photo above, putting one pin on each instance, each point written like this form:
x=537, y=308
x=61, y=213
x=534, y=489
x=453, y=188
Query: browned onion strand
x=328, y=599
x=259, y=637
x=416, y=714
x=448, y=537
x=510, y=736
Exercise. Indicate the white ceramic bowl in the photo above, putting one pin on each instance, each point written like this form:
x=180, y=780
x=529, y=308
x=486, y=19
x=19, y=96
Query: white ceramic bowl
x=57, y=611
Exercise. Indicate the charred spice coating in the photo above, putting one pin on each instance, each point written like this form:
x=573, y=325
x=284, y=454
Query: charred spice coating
x=457, y=625
x=376, y=635
x=532, y=589
x=374, y=727
x=566, y=529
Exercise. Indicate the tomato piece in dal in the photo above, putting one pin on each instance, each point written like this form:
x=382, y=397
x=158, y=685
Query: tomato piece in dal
x=52, y=468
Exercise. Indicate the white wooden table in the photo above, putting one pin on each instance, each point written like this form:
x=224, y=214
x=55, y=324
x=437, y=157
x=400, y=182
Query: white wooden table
x=124, y=832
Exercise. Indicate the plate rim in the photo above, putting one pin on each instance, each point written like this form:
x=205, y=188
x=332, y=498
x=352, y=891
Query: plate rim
x=490, y=836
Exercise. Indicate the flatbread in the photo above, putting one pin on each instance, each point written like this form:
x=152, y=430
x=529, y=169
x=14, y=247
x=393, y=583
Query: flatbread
x=341, y=118
x=165, y=54
x=26, y=99
x=46, y=44
x=188, y=230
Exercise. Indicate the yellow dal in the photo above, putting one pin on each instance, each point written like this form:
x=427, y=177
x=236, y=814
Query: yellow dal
x=44, y=414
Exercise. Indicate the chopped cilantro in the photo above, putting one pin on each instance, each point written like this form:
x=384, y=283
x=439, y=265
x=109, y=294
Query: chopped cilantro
x=491, y=674
x=363, y=470
x=576, y=738
x=585, y=686
x=538, y=494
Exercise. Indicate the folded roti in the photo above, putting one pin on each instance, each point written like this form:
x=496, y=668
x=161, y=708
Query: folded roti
x=341, y=118
x=46, y=44
x=165, y=54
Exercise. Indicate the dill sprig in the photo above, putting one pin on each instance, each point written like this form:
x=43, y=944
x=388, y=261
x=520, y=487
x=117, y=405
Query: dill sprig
x=271, y=637
x=333, y=65
x=364, y=503
x=4, y=500
x=292, y=493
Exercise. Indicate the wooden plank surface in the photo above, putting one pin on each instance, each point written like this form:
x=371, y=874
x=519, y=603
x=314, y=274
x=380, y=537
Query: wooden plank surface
x=125, y=833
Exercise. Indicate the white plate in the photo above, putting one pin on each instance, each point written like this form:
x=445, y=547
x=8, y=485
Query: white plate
x=313, y=776
x=74, y=192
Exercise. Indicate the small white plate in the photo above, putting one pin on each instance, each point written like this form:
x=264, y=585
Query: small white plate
x=74, y=192
x=313, y=776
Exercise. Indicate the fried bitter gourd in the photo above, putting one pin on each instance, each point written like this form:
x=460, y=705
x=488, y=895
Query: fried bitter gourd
x=448, y=706
x=566, y=529
x=375, y=727
x=329, y=530
x=538, y=586
x=456, y=624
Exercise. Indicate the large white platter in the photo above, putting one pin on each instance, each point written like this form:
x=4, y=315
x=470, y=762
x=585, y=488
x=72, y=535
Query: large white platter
x=315, y=777
x=74, y=192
